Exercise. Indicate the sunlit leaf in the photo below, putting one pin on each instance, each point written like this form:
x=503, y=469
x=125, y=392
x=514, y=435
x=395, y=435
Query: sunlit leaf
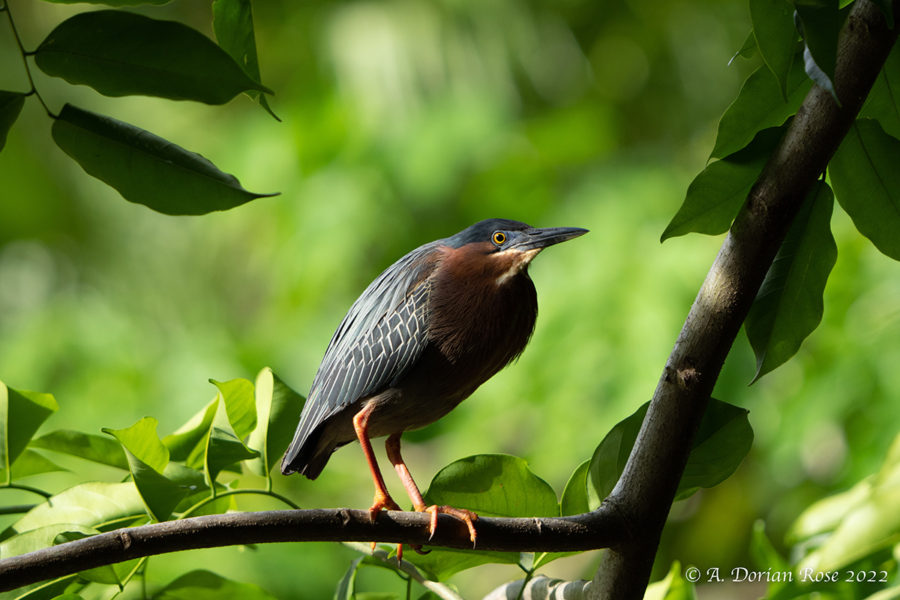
x=21, y=414
x=346, y=587
x=776, y=36
x=233, y=26
x=789, y=304
x=720, y=444
x=92, y=504
x=673, y=587
x=222, y=447
x=759, y=105
x=41, y=537
x=206, y=585
x=240, y=405
x=11, y=104
x=821, y=22
x=120, y=53
x=575, y=496
x=494, y=485
x=187, y=442
x=716, y=195
x=144, y=168
x=30, y=462
x=883, y=101
x=147, y=459
x=866, y=182
x=277, y=407
x=96, y=448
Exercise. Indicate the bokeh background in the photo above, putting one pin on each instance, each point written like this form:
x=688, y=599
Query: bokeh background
x=405, y=121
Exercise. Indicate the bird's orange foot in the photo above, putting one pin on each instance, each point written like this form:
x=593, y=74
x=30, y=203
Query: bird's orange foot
x=466, y=516
x=382, y=502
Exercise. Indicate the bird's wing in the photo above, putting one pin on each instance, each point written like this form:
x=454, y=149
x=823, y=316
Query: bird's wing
x=381, y=337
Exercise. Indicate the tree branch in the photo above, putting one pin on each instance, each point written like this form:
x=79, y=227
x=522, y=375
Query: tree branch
x=589, y=531
x=645, y=492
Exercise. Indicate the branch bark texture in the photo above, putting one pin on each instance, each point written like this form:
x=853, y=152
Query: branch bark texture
x=645, y=492
x=589, y=531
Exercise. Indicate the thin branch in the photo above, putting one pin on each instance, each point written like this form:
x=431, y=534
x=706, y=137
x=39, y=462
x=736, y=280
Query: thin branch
x=647, y=487
x=589, y=531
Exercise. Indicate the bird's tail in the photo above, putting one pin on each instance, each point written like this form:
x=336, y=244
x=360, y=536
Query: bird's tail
x=305, y=456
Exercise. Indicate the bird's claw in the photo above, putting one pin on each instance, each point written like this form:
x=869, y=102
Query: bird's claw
x=382, y=502
x=466, y=516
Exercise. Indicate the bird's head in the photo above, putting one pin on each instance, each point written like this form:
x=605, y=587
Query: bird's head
x=505, y=248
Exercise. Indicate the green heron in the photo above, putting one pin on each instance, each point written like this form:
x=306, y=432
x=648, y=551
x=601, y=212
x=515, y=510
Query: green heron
x=420, y=339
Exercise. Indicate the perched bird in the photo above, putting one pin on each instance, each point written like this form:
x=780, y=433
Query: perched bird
x=420, y=339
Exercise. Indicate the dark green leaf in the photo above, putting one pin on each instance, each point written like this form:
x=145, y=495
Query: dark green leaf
x=575, y=496
x=883, y=102
x=145, y=168
x=188, y=442
x=21, y=413
x=240, y=405
x=233, y=25
x=147, y=460
x=789, y=304
x=721, y=442
x=748, y=48
x=205, y=585
x=57, y=588
x=493, y=485
x=11, y=104
x=718, y=192
x=277, y=410
x=821, y=22
x=866, y=182
x=346, y=588
x=776, y=36
x=99, y=449
x=887, y=7
x=759, y=105
x=222, y=448
x=442, y=563
x=120, y=53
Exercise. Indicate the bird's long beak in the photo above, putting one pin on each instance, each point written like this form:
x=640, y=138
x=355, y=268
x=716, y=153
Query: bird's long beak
x=535, y=239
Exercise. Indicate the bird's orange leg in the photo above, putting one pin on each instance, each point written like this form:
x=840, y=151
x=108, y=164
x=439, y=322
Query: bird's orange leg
x=383, y=500
x=392, y=445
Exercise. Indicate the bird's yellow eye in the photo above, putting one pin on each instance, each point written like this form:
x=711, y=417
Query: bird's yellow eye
x=499, y=238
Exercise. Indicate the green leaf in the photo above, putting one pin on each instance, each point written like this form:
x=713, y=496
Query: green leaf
x=673, y=587
x=759, y=105
x=346, y=588
x=21, y=414
x=120, y=53
x=144, y=168
x=41, y=537
x=720, y=444
x=223, y=448
x=233, y=26
x=789, y=304
x=11, y=104
x=883, y=101
x=575, y=496
x=92, y=504
x=33, y=463
x=887, y=7
x=716, y=195
x=188, y=442
x=498, y=485
x=747, y=50
x=277, y=407
x=240, y=405
x=206, y=585
x=821, y=21
x=110, y=2
x=147, y=460
x=867, y=183
x=95, y=448
x=441, y=563
x=776, y=37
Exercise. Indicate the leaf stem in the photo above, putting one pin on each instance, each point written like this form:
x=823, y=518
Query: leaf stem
x=206, y=501
x=23, y=54
x=26, y=488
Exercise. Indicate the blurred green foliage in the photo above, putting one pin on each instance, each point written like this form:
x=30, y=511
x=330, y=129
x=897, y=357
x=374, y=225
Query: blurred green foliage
x=403, y=122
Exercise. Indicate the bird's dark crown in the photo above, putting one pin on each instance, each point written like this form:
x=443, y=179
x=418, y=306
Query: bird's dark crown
x=482, y=231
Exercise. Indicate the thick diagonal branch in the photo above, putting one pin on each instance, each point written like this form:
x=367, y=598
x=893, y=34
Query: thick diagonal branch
x=583, y=532
x=647, y=487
